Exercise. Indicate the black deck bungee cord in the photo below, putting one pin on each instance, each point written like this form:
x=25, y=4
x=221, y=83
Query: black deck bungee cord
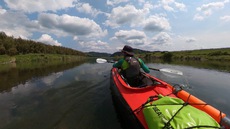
x=167, y=125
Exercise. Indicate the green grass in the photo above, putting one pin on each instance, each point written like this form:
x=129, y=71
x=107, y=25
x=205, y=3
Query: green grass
x=33, y=61
x=37, y=58
x=6, y=59
x=204, y=51
x=222, y=54
x=206, y=54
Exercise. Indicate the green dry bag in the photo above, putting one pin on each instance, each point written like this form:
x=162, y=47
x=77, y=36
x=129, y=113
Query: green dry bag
x=172, y=113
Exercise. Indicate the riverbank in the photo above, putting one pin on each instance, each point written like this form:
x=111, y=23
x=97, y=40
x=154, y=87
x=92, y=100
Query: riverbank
x=37, y=61
x=222, y=54
x=5, y=59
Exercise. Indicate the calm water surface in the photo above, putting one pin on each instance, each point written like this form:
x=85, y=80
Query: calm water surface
x=79, y=97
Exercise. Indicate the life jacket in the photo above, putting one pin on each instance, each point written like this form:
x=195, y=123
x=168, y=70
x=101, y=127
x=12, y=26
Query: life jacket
x=131, y=67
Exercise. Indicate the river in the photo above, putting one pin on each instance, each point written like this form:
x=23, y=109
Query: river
x=78, y=96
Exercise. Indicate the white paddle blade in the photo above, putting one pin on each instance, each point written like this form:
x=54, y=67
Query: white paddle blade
x=100, y=60
x=173, y=71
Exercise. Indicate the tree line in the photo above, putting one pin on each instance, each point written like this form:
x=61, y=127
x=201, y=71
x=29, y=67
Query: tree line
x=15, y=46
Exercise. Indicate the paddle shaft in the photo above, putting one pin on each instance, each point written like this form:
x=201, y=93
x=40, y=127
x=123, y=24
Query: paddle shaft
x=154, y=69
x=101, y=60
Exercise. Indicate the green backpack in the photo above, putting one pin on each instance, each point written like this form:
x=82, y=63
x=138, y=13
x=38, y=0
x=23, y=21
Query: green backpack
x=172, y=113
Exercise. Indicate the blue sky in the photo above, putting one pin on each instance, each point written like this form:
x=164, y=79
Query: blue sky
x=108, y=25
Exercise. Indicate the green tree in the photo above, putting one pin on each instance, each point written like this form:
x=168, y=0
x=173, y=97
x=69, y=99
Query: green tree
x=12, y=51
x=167, y=56
x=2, y=50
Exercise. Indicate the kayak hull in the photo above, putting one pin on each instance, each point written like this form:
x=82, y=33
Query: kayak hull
x=124, y=112
x=127, y=100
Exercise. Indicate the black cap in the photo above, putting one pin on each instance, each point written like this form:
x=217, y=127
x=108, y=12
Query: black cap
x=128, y=50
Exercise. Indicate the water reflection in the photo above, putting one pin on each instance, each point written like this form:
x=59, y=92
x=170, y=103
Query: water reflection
x=51, y=78
x=12, y=76
x=77, y=96
x=211, y=64
x=74, y=98
x=209, y=85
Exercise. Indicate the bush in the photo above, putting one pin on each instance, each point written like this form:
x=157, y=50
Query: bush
x=12, y=51
x=2, y=50
x=217, y=53
x=167, y=56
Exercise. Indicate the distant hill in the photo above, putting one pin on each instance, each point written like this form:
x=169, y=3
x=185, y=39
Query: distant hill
x=98, y=54
x=116, y=54
x=136, y=51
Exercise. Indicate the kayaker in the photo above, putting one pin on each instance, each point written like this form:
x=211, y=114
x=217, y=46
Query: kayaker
x=130, y=67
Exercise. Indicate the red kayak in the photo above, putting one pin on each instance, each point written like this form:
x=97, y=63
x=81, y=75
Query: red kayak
x=136, y=105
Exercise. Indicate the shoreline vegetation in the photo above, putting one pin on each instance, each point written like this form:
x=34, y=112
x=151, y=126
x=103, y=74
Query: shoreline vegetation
x=218, y=54
x=41, y=58
x=37, y=61
x=15, y=50
x=19, y=51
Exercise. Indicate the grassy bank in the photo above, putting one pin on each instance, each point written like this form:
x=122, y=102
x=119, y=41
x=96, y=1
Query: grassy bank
x=222, y=54
x=5, y=59
x=37, y=61
x=206, y=54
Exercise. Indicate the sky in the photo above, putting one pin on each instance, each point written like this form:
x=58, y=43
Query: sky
x=108, y=25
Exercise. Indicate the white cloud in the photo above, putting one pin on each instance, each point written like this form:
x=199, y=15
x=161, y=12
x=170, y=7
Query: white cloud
x=66, y=24
x=132, y=37
x=166, y=5
x=125, y=15
x=156, y=23
x=39, y=5
x=171, y=5
x=115, y=2
x=17, y=24
x=45, y=38
x=141, y=1
x=180, y=6
x=94, y=45
x=162, y=38
x=207, y=9
x=211, y=6
x=198, y=17
x=87, y=8
x=187, y=39
x=148, y=6
x=225, y=18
